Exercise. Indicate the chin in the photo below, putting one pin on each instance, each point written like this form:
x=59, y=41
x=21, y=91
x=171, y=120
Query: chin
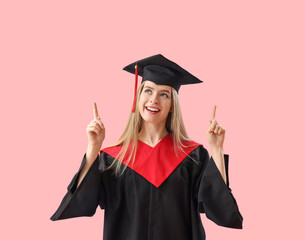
x=147, y=118
x=153, y=121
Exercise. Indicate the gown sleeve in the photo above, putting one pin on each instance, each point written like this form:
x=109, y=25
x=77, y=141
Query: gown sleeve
x=215, y=198
x=81, y=201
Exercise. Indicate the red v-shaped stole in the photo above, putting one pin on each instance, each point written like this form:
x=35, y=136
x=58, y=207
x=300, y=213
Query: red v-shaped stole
x=155, y=164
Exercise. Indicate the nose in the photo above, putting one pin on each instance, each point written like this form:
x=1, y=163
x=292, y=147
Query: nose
x=154, y=98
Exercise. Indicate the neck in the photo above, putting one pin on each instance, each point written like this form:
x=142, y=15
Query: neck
x=151, y=134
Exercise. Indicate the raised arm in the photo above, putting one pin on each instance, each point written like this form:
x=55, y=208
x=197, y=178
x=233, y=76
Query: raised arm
x=85, y=191
x=96, y=135
x=216, y=136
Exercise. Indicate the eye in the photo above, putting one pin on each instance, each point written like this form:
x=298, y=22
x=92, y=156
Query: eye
x=147, y=91
x=164, y=95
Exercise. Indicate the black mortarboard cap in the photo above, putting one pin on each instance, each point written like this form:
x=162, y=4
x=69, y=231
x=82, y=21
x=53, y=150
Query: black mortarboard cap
x=162, y=71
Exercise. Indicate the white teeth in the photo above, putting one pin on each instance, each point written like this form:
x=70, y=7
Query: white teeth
x=152, y=109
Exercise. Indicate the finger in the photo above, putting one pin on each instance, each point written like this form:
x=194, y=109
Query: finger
x=221, y=130
x=91, y=130
x=213, y=113
x=94, y=129
x=99, y=122
x=213, y=125
x=96, y=125
x=216, y=129
x=95, y=112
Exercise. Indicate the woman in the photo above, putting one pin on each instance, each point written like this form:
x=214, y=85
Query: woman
x=154, y=182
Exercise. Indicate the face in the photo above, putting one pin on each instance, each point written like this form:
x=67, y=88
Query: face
x=155, y=102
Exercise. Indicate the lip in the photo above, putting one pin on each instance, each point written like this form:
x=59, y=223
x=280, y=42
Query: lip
x=153, y=107
x=151, y=112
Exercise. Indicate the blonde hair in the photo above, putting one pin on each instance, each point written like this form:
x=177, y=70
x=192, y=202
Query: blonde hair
x=174, y=125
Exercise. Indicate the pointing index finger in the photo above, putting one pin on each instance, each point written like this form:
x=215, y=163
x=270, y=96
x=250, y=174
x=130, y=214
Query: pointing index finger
x=213, y=113
x=95, y=112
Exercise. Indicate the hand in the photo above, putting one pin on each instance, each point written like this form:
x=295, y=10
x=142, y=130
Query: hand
x=215, y=133
x=96, y=130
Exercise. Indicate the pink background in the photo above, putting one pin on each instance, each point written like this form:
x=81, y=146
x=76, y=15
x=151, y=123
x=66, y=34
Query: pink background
x=58, y=57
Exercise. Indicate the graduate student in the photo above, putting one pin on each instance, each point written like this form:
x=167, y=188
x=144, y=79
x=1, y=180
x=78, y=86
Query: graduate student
x=155, y=181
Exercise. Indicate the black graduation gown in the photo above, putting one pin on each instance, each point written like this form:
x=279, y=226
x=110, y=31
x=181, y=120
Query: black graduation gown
x=160, y=197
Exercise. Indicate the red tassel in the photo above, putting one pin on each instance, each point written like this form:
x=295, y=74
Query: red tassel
x=135, y=88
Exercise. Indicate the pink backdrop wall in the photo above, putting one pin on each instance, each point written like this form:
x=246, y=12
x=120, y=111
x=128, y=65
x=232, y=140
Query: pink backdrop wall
x=58, y=57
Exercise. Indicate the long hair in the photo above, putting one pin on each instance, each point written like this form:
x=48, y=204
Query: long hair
x=129, y=138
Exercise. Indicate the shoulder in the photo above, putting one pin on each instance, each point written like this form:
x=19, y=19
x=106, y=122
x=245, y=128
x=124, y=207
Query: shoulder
x=200, y=154
x=108, y=155
x=197, y=147
x=111, y=150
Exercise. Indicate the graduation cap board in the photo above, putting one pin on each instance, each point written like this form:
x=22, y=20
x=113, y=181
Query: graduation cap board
x=161, y=71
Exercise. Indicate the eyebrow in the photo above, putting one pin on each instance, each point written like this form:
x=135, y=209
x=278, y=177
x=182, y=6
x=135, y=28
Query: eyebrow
x=160, y=91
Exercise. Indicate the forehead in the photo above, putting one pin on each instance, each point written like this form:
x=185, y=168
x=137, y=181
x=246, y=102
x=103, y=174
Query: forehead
x=156, y=86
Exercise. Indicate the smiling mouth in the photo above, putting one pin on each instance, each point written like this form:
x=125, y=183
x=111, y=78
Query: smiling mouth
x=152, y=109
